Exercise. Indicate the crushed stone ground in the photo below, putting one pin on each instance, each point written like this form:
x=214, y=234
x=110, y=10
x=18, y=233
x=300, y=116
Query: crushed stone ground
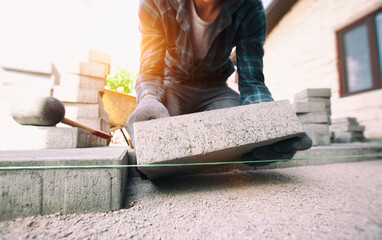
x=338, y=201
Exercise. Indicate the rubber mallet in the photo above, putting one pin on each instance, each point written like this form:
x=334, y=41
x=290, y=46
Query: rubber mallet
x=46, y=111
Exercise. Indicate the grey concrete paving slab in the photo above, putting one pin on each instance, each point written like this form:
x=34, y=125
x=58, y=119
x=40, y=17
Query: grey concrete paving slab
x=212, y=136
x=337, y=201
x=19, y=137
x=91, y=69
x=12, y=92
x=315, y=99
x=98, y=141
x=348, y=120
x=76, y=95
x=71, y=190
x=319, y=133
x=313, y=93
x=11, y=77
x=313, y=117
x=307, y=107
x=347, y=128
x=334, y=153
x=79, y=81
x=24, y=63
x=317, y=155
x=99, y=57
x=348, y=137
x=89, y=55
x=83, y=110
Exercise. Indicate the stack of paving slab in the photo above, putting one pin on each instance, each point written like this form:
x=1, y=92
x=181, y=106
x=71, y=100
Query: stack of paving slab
x=312, y=107
x=23, y=76
x=28, y=77
x=347, y=130
x=79, y=84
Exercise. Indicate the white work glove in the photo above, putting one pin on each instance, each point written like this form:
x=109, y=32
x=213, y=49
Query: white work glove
x=148, y=108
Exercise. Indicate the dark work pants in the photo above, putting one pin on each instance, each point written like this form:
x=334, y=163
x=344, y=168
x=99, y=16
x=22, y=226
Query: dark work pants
x=183, y=99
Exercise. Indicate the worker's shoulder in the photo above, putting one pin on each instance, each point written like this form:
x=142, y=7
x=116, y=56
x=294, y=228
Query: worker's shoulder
x=247, y=3
x=246, y=7
x=159, y=4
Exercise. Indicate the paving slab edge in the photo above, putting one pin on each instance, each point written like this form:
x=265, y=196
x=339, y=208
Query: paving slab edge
x=316, y=153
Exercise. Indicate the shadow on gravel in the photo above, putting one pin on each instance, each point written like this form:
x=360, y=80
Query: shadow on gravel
x=215, y=181
x=139, y=189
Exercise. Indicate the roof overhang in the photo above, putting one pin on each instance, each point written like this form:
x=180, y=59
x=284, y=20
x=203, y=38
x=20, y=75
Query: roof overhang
x=276, y=11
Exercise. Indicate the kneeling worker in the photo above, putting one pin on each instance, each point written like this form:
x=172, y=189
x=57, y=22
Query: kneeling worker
x=185, y=62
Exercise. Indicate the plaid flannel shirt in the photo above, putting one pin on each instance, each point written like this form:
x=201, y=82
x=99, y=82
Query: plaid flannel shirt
x=166, y=49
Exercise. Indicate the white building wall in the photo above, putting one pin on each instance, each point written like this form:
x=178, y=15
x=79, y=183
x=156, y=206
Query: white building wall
x=301, y=52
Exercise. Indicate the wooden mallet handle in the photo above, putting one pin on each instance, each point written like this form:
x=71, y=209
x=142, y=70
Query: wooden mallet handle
x=92, y=130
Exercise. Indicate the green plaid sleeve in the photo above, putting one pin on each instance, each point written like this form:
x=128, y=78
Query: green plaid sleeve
x=250, y=54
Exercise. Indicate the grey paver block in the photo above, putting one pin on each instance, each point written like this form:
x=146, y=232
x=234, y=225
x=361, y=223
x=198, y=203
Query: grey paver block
x=350, y=120
x=90, y=184
x=334, y=153
x=38, y=192
x=319, y=133
x=100, y=57
x=98, y=141
x=347, y=130
x=83, y=110
x=313, y=93
x=315, y=99
x=91, y=69
x=349, y=134
x=348, y=137
x=14, y=77
x=317, y=155
x=79, y=81
x=347, y=127
x=27, y=64
x=314, y=117
x=14, y=92
x=318, y=99
x=76, y=95
x=32, y=137
x=306, y=107
x=219, y=135
x=92, y=56
x=25, y=200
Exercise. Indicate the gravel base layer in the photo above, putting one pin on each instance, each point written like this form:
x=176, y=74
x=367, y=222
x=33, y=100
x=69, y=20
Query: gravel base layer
x=338, y=201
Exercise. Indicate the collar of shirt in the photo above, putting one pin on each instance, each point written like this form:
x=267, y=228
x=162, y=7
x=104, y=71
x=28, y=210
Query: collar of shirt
x=230, y=6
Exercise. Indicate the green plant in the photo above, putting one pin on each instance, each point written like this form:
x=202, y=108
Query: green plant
x=122, y=80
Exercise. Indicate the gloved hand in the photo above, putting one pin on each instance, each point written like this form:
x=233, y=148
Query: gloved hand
x=280, y=150
x=149, y=108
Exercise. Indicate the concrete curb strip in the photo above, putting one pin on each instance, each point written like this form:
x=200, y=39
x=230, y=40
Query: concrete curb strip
x=39, y=192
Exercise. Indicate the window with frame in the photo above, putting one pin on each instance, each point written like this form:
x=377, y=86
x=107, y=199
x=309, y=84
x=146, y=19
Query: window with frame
x=360, y=55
